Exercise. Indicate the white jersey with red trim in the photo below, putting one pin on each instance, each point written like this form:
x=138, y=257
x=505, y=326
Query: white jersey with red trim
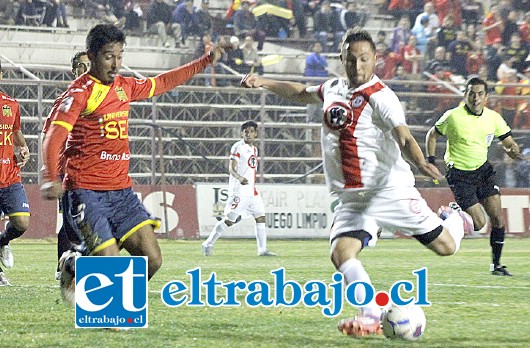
x=359, y=150
x=246, y=156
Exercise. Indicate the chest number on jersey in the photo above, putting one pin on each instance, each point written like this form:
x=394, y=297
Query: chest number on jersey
x=117, y=129
x=6, y=137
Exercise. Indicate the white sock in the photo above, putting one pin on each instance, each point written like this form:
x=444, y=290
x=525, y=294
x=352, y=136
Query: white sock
x=354, y=271
x=261, y=237
x=455, y=226
x=219, y=228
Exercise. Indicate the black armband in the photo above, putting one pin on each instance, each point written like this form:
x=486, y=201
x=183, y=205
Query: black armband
x=431, y=160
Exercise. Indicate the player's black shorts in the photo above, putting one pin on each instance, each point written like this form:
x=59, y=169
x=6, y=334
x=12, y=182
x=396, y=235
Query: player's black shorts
x=471, y=187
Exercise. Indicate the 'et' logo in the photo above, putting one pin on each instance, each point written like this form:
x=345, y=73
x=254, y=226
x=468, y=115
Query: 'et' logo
x=111, y=292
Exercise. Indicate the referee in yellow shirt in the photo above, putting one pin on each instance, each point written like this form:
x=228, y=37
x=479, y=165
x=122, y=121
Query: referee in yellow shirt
x=470, y=129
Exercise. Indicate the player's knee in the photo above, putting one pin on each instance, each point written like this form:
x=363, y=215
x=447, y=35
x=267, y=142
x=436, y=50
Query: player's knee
x=20, y=223
x=154, y=264
x=447, y=249
x=497, y=221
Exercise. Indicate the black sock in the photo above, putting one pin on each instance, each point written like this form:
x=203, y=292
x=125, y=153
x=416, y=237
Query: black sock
x=9, y=234
x=496, y=242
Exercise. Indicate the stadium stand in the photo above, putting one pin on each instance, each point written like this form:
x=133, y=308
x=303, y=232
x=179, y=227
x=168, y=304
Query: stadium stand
x=195, y=124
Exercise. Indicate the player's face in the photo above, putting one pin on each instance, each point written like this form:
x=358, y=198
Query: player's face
x=107, y=62
x=81, y=65
x=476, y=98
x=249, y=135
x=359, y=63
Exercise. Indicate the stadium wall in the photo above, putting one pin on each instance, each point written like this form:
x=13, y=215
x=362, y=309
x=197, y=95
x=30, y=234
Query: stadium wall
x=293, y=211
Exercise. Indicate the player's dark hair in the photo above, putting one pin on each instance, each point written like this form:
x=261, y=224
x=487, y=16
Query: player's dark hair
x=101, y=35
x=356, y=35
x=76, y=57
x=476, y=81
x=249, y=124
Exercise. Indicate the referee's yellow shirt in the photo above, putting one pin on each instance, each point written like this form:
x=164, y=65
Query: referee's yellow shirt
x=469, y=136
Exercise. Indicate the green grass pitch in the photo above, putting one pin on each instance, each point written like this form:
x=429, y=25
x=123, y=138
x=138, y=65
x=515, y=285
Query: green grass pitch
x=470, y=307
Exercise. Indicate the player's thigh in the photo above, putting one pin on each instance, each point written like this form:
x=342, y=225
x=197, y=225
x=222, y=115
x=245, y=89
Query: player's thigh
x=235, y=207
x=143, y=242
x=464, y=187
x=129, y=215
x=256, y=208
x=403, y=209
x=69, y=225
x=14, y=203
x=88, y=211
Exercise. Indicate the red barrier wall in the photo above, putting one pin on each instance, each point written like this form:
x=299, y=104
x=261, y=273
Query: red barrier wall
x=180, y=215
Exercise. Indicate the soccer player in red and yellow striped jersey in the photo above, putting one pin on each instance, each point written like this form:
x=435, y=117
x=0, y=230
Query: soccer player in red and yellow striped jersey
x=14, y=154
x=92, y=118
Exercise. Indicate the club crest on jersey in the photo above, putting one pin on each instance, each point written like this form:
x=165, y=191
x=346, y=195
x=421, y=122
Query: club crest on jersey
x=338, y=115
x=358, y=101
x=252, y=162
x=6, y=111
x=122, y=96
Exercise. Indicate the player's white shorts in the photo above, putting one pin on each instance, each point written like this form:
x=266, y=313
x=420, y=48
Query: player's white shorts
x=244, y=206
x=394, y=209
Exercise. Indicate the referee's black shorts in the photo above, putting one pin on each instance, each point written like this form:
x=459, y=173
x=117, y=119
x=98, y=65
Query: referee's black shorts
x=471, y=187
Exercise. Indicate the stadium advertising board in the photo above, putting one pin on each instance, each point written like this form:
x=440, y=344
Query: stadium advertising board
x=292, y=211
x=515, y=202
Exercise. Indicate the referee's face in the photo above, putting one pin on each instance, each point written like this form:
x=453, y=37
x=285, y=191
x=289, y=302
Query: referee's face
x=476, y=98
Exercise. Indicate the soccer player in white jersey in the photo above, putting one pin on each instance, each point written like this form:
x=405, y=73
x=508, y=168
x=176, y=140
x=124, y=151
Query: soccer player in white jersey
x=364, y=135
x=244, y=198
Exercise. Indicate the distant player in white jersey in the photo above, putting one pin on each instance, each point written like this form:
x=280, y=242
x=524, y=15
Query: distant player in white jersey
x=364, y=135
x=244, y=199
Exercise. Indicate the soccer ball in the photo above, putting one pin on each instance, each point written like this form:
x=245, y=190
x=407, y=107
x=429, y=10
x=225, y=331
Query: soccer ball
x=407, y=322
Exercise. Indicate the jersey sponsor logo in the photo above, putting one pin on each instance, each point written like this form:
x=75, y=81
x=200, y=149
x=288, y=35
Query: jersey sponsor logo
x=5, y=161
x=6, y=138
x=114, y=156
x=6, y=111
x=114, y=129
x=122, y=96
x=111, y=292
x=338, y=115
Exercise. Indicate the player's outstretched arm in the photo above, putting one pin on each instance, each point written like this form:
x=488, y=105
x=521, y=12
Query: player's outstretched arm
x=168, y=80
x=294, y=91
